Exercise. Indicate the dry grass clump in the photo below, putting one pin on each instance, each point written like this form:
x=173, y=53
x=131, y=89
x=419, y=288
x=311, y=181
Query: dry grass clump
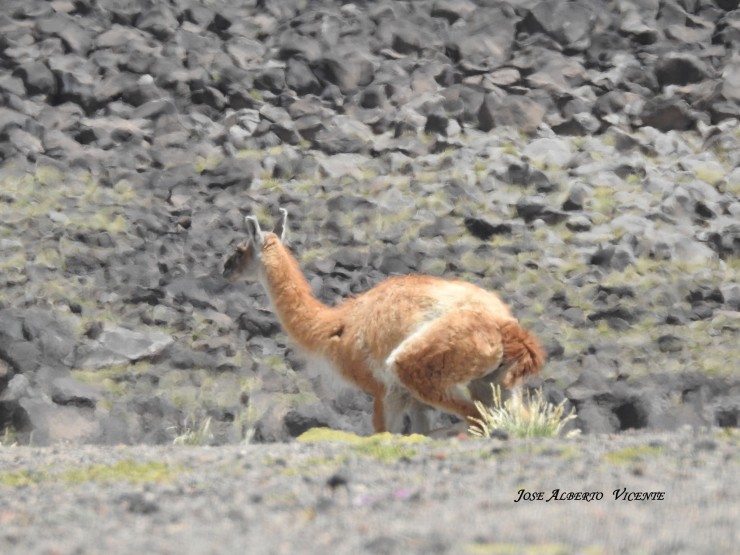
x=518, y=416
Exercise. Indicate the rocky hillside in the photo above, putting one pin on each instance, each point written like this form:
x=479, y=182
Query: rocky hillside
x=582, y=159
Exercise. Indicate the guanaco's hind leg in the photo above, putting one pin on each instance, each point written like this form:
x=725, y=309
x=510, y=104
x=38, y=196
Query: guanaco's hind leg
x=398, y=404
x=419, y=418
x=446, y=353
x=396, y=400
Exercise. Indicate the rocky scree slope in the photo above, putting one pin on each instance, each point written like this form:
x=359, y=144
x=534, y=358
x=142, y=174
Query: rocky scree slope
x=583, y=162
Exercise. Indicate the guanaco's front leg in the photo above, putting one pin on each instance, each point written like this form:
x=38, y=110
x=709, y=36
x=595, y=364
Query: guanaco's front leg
x=379, y=412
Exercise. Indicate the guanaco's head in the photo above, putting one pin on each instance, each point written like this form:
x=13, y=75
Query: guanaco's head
x=245, y=262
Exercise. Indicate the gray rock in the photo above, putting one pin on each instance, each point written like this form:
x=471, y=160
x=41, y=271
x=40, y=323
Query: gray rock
x=536, y=208
x=300, y=78
x=75, y=38
x=67, y=391
x=731, y=294
x=57, y=144
x=437, y=123
x=10, y=119
x=159, y=21
x=211, y=97
x=680, y=69
x=731, y=80
x=690, y=30
x=116, y=345
x=470, y=99
x=232, y=172
x=17, y=388
x=578, y=124
x=270, y=427
x=294, y=46
x=577, y=194
x=22, y=356
x=670, y=344
x=675, y=246
x=25, y=143
x=666, y=114
x=391, y=262
x=270, y=79
x=515, y=111
x=485, y=43
x=569, y=23
x=242, y=123
x=52, y=334
x=259, y=322
x=484, y=230
x=154, y=417
x=202, y=293
x=340, y=165
x=54, y=423
x=578, y=223
x=724, y=236
x=304, y=417
x=554, y=152
x=728, y=5
x=347, y=72
x=526, y=175
x=75, y=81
x=452, y=10
x=311, y=127
x=640, y=25
x=37, y=77
x=373, y=96
x=343, y=135
x=406, y=38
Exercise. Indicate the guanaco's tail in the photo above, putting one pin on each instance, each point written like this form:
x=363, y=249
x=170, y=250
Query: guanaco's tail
x=522, y=353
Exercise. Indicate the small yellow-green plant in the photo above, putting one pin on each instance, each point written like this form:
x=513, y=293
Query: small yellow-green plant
x=384, y=447
x=633, y=454
x=8, y=439
x=520, y=417
x=196, y=436
x=126, y=470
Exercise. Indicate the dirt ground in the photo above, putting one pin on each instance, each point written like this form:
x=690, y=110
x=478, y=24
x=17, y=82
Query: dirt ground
x=678, y=493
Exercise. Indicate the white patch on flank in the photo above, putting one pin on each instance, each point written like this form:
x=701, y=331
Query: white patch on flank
x=399, y=402
x=388, y=375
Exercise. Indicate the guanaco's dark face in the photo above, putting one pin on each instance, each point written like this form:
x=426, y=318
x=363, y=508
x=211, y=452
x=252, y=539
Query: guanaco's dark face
x=242, y=264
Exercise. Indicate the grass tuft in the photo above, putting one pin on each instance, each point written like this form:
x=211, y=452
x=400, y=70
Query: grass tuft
x=196, y=436
x=8, y=437
x=520, y=417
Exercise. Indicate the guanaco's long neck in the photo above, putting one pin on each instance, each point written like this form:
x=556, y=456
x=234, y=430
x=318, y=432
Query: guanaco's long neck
x=308, y=321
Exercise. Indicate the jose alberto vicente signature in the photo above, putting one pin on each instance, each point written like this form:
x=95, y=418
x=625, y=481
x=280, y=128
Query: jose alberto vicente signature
x=588, y=496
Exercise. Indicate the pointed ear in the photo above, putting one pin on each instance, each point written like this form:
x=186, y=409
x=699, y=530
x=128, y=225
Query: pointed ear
x=254, y=233
x=281, y=226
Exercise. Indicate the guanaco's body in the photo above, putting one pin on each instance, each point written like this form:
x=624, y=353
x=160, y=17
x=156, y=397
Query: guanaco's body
x=410, y=342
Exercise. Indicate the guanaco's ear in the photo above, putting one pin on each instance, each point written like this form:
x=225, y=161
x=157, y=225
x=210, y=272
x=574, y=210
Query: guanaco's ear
x=254, y=233
x=281, y=226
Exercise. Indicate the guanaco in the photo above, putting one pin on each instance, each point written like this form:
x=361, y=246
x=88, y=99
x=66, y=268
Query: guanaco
x=411, y=342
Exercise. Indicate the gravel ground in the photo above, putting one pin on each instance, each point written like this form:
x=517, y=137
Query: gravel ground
x=453, y=496
x=582, y=163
